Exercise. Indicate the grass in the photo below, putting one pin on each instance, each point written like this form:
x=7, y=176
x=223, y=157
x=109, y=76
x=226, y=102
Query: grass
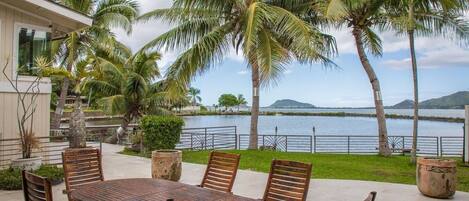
x=395, y=169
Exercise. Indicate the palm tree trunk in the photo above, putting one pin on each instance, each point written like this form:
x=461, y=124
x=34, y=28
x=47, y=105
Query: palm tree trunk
x=380, y=115
x=416, y=98
x=77, y=125
x=125, y=123
x=255, y=107
x=61, y=101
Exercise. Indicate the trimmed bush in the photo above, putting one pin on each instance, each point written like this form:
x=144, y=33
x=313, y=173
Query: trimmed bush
x=10, y=179
x=53, y=173
x=161, y=132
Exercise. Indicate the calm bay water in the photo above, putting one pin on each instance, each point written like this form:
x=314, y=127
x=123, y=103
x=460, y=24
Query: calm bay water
x=459, y=113
x=303, y=125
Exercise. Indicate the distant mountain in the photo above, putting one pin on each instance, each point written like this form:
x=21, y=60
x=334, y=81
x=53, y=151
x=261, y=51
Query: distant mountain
x=453, y=101
x=287, y=103
x=406, y=104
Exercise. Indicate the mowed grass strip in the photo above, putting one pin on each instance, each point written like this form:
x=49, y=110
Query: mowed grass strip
x=395, y=169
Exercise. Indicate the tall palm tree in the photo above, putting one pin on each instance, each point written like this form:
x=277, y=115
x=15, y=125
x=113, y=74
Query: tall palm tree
x=128, y=88
x=362, y=16
x=241, y=100
x=426, y=17
x=267, y=35
x=194, y=96
x=106, y=14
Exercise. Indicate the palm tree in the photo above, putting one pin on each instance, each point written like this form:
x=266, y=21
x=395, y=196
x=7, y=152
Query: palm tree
x=267, y=35
x=241, y=100
x=106, y=14
x=128, y=88
x=194, y=96
x=426, y=17
x=361, y=16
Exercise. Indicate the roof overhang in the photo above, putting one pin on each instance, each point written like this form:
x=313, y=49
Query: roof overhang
x=61, y=18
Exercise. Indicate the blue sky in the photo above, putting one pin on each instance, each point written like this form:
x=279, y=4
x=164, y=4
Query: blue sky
x=444, y=69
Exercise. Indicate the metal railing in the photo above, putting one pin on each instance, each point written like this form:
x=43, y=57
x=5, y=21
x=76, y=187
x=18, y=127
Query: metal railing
x=227, y=138
x=50, y=149
x=223, y=137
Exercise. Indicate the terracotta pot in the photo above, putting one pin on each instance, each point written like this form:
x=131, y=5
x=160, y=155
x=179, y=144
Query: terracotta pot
x=29, y=164
x=166, y=164
x=436, y=177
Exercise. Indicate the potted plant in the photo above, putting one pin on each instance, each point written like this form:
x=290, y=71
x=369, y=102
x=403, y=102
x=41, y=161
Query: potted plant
x=25, y=109
x=160, y=135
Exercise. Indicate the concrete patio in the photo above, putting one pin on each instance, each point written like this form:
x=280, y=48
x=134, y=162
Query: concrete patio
x=248, y=183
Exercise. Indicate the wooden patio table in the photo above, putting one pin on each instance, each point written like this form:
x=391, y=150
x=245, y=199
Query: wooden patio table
x=148, y=189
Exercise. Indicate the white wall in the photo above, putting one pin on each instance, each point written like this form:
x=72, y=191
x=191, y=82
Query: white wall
x=8, y=99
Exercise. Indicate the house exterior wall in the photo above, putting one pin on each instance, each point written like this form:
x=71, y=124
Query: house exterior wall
x=10, y=18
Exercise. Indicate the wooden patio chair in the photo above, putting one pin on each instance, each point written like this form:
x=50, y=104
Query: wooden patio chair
x=36, y=188
x=221, y=171
x=371, y=196
x=81, y=167
x=288, y=180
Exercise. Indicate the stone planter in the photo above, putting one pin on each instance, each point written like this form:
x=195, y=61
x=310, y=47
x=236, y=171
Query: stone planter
x=29, y=164
x=436, y=177
x=166, y=164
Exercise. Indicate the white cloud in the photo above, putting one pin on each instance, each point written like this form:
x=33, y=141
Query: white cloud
x=235, y=56
x=144, y=32
x=436, y=58
x=433, y=52
x=243, y=72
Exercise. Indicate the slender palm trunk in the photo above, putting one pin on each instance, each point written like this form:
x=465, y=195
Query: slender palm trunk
x=61, y=101
x=255, y=107
x=123, y=128
x=416, y=98
x=380, y=115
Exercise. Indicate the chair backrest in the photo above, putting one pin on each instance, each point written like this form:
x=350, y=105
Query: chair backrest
x=221, y=171
x=288, y=180
x=371, y=196
x=81, y=166
x=36, y=188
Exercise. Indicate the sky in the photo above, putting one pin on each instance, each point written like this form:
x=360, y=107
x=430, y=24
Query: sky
x=443, y=69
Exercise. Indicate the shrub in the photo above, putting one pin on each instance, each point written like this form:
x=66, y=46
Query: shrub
x=53, y=173
x=161, y=132
x=10, y=179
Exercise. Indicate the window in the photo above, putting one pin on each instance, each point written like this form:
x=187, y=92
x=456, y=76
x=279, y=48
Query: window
x=32, y=43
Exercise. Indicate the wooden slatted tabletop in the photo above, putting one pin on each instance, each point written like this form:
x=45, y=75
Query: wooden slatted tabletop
x=145, y=189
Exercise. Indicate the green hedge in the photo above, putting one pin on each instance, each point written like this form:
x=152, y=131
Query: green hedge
x=10, y=179
x=161, y=132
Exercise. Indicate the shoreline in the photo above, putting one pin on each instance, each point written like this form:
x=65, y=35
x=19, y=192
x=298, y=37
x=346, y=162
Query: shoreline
x=328, y=114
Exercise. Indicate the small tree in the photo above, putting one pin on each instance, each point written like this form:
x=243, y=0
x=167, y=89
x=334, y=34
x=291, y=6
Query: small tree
x=241, y=100
x=194, y=96
x=227, y=100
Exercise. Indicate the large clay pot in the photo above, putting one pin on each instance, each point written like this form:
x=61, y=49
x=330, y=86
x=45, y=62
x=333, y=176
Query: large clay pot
x=436, y=177
x=166, y=164
x=29, y=164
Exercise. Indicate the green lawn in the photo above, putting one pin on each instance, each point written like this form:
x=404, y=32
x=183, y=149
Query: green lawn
x=396, y=169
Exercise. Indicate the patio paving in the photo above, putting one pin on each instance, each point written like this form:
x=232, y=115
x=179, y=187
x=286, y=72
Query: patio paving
x=248, y=183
